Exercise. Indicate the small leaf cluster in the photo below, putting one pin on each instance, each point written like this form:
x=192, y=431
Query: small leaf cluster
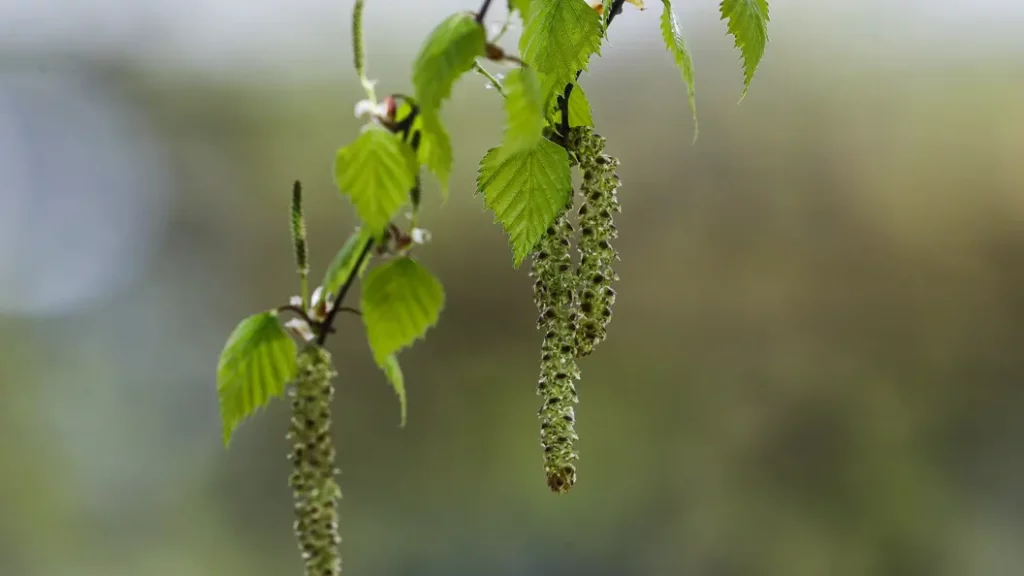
x=400, y=299
x=521, y=180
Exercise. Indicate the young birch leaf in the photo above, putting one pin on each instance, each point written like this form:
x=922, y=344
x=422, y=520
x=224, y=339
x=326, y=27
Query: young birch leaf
x=606, y=8
x=748, y=24
x=393, y=372
x=401, y=300
x=580, y=113
x=672, y=33
x=524, y=106
x=258, y=359
x=376, y=172
x=341, y=266
x=551, y=87
x=559, y=36
x=526, y=191
x=435, y=149
x=446, y=54
x=521, y=6
x=579, y=107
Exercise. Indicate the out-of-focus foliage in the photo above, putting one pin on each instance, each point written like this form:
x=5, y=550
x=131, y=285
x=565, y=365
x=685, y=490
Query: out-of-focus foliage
x=376, y=172
x=672, y=34
x=524, y=109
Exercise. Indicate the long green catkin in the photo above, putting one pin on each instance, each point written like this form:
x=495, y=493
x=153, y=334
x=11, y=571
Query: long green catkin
x=555, y=297
x=597, y=230
x=314, y=489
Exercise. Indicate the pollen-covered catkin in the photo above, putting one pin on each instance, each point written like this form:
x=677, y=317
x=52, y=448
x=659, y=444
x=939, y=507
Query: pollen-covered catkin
x=597, y=231
x=314, y=489
x=554, y=294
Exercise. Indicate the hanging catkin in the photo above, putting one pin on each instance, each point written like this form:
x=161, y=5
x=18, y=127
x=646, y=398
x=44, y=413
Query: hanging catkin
x=314, y=489
x=554, y=293
x=595, y=274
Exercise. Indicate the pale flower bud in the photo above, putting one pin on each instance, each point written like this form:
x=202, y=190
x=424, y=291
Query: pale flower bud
x=369, y=108
x=420, y=235
x=300, y=328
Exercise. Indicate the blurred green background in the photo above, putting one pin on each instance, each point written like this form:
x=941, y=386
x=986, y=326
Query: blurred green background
x=814, y=366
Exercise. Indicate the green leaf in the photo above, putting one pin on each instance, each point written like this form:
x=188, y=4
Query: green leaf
x=524, y=106
x=521, y=6
x=559, y=36
x=447, y=53
x=256, y=363
x=435, y=149
x=748, y=24
x=551, y=87
x=393, y=371
x=580, y=113
x=376, y=172
x=526, y=191
x=401, y=300
x=341, y=266
x=606, y=10
x=672, y=33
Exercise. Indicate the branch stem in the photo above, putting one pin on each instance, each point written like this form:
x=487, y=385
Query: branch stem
x=491, y=78
x=482, y=13
x=328, y=324
x=504, y=28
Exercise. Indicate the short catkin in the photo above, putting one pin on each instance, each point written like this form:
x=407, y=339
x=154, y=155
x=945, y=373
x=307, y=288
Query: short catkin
x=314, y=489
x=298, y=227
x=595, y=274
x=554, y=294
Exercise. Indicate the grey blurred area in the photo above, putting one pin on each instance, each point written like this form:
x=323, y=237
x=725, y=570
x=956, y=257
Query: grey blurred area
x=814, y=366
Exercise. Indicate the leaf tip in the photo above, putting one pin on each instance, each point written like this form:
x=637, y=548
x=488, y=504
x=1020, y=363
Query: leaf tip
x=226, y=431
x=520, y=254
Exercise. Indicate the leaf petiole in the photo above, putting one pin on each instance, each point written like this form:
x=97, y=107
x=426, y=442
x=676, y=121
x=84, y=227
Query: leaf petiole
x=491, y=78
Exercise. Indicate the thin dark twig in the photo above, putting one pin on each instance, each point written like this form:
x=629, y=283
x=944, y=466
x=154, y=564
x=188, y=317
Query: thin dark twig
x=483, y=11
x=350, y=310
x=298, y=311
x=563, y=106
x=328, y=324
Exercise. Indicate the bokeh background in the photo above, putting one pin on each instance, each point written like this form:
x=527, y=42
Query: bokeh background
x=814, y=366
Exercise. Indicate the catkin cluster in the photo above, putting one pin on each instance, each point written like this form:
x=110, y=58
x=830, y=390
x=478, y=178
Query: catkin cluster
x=555, y=296
x=595, y=274
x=314, y=489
